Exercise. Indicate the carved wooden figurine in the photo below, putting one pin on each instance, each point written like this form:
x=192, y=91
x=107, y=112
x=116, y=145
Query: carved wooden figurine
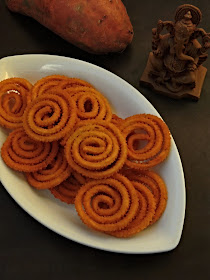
x=174, y=66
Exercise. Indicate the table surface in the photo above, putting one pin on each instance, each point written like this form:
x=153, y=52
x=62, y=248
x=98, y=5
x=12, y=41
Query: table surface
x=28, y=249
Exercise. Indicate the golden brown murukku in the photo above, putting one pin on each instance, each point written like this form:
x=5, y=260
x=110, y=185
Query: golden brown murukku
x=22, y=153
x=96, y=149
x=120, y=198
x=144, y=215
x=50, y=117
x=91, y=104
x=142, y=128
x=45, y=84
x=116, y=120
x=15, y=95
x=59, y=82
x=67, y=190
x=98, y=145
x=52, y=175
x=155, y=184
x=72, y=83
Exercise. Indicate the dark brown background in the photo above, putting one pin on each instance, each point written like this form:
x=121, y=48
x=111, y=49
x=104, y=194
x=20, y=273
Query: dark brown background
x=28, y=250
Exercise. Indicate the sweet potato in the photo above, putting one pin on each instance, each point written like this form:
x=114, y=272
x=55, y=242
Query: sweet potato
x=97, y=26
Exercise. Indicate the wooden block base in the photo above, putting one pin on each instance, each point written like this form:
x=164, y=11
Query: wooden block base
x=193, y=94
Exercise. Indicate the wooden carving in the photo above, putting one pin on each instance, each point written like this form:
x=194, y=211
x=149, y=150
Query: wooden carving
x=174, y=66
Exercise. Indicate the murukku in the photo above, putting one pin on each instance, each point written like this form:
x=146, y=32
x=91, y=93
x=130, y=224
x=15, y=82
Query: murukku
x=116, y=120
x=120, y=198
x=96, y=149
x=91, y=104
x=72, y=83
x=144, y=215
x=103, y=166
x=142, y=128
x=59, y=82
x=22, y=153
x=67, y=190
x=155, y=184
x=45, y=84
x=52, y=175
x=50, y=117
x=15, y=95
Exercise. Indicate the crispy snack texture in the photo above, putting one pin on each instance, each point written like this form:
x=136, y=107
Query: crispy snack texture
x=22, y=153
x=117, y=194
x=67, y=190
x=56, y=82
x=65, y=138
x=142, y=128
x=15, y=95
x=90, y=105
x=144, y=215
x=116, y=120
x=155, y=184
x=50, y=117
x=54, y=174
x=96, y=149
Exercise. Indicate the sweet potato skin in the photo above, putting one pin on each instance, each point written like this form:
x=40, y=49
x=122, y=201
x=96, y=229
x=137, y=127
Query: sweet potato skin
x=97, y=26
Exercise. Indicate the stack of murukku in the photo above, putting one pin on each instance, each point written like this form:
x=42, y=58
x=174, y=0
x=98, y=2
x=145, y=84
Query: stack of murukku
x=65, y=138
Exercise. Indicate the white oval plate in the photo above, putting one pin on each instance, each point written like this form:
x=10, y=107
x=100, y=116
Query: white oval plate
x=62, y=218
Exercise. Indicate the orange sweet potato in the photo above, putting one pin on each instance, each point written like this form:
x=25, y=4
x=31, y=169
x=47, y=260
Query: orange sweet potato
x=97, y=26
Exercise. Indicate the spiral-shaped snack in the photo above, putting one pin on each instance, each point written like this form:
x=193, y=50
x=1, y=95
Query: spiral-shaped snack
x=155, y=184
x=56, y=81
x=67, y=191
x=54, y=174
x=116, y=120
x=91, y=104
x=96, y=149
x=142, y=128
x=22, y=153
x=15, y=95
x=45, y=84
x=107, y=205
x=50, y=117
x=73, y=83
x=144, y=215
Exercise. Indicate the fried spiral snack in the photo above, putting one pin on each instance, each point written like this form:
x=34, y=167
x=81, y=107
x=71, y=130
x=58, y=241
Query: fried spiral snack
x=144, y=215
x=96, y=149
x=144, y=127
x=117, y=194
x=91, y=104
x=116, y=120
x=54, y=174
x=72, y=83
x=155, y=184
x=103, y=165
x=21, y=153
x=50, y=117
x=51, y=82
x=67, y=191
x=45, y=84
x=15, y=95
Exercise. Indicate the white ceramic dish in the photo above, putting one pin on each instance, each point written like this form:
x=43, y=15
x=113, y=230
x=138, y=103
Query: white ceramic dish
x=61, y=218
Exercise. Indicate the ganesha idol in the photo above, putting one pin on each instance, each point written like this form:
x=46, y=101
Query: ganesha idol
x=174, y=67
